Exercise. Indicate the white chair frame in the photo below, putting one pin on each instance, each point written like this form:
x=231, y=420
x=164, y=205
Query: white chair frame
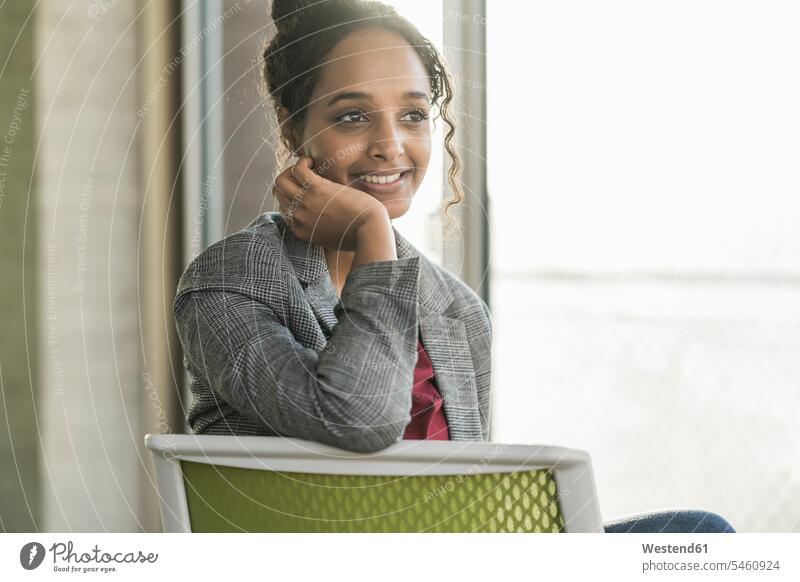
x=576, y=490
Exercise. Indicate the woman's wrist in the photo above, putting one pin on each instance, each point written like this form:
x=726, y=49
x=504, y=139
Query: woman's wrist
x=375, y=241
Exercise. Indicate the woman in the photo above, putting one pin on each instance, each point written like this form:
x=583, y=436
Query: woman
x=314, y=321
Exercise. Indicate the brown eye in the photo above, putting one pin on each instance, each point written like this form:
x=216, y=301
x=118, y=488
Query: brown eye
x=420, y=115
x=345, y=117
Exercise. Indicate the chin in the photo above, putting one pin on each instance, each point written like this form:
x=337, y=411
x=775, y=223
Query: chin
x=397, y=208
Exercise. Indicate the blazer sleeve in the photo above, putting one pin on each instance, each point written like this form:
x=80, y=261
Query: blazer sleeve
x=355, y=394
x=484, y=379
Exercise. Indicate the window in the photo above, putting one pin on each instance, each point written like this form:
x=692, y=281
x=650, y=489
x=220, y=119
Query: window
x=643, y=171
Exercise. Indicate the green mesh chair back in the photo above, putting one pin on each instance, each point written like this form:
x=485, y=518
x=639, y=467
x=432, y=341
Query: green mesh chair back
x=231, y=499
x=272, y=484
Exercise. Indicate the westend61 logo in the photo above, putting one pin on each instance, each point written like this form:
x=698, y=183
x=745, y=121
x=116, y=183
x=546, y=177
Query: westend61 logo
x=32, y=555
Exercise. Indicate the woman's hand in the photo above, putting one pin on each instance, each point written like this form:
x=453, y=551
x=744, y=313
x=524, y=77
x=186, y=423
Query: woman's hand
x=322, y=211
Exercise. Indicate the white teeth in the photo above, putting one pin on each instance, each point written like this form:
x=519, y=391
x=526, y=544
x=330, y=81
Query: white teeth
x=381, y=179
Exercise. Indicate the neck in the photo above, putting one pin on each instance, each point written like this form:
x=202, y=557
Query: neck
x=339, y=263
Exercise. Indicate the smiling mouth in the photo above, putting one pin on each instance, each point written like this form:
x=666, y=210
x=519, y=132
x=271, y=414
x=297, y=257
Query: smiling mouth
x=382, y=179
x=386, y=183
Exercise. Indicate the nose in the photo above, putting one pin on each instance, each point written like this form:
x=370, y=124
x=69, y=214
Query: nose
x=386, y=143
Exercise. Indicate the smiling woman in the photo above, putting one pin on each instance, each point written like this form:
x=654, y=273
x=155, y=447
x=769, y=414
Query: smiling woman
x=321, y=321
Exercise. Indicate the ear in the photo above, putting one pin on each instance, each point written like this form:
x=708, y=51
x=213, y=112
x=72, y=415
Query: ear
x=286, y=128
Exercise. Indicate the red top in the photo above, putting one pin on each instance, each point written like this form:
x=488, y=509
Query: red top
x=427, y=415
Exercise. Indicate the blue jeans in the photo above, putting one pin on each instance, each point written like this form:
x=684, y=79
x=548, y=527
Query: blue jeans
x=670, y=521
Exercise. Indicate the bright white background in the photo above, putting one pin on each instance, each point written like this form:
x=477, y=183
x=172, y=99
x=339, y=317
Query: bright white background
x=644, y=176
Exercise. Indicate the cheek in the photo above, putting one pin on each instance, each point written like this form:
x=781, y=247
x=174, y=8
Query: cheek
x=421, y=146
x=421, y=156
x=335, y=155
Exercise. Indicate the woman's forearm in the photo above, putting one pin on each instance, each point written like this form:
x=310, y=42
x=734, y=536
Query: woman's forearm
x=375, y=241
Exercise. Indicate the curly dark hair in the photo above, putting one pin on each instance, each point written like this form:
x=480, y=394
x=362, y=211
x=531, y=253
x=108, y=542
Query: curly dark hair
x=306, y=30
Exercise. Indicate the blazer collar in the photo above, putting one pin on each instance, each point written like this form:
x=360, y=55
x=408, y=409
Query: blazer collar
x=311, y=268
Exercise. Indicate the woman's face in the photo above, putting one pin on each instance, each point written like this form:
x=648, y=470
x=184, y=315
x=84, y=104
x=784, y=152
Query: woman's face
x=369, y=114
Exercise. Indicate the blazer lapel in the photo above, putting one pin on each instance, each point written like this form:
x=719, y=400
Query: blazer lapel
x=446, y=343
x=311, y=268
x=445, y=338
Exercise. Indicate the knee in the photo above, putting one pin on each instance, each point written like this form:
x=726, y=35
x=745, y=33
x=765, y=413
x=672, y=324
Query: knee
x=712, y=522
x=672, y=521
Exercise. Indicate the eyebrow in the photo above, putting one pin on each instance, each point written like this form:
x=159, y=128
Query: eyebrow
x=361, y=95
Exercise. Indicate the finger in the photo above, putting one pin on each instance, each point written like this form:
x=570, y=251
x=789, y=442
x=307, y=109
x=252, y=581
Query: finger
x=288, y=204
x=303, y=173
x=280, y=195
x=295, y=185
x=289, y=187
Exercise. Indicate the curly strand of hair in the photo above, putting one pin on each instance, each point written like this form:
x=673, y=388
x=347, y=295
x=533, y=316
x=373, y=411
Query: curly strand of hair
x=455, y=159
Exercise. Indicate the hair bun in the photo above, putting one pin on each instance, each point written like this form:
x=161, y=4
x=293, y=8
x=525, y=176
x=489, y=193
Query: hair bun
x=284, y=12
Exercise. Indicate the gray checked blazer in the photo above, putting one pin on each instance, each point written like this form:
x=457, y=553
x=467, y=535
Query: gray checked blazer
x=271, y=349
